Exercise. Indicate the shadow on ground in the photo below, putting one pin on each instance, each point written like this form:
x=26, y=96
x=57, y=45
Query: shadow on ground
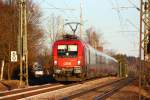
x=41, y=80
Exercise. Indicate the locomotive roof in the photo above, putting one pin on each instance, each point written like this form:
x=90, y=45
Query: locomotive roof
x=61, y=41
x=68, y=37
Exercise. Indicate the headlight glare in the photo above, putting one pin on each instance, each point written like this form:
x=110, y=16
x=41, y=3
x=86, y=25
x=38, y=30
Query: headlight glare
x=79, y=62
x=55, y=62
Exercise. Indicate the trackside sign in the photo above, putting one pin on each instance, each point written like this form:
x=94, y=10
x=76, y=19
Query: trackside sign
x=13, y=56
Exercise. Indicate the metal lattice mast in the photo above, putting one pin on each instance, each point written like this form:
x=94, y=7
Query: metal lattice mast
x=140, y=48
x=144, y=50
x=146, y=25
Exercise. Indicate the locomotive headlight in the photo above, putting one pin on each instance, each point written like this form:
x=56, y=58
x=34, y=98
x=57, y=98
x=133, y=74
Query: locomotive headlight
x=55, y=62
x=79, y=62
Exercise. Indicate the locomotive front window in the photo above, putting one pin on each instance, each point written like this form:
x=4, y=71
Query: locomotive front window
x=72, y=50
x=67, y=50
x=62, y=49
x=72, y=47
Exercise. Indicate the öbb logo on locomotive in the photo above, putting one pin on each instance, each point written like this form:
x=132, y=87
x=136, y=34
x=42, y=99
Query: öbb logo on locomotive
x=66, y=63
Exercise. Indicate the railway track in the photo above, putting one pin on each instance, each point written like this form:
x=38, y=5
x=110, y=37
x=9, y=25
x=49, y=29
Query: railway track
x=49, y=88
x=31, y=91
x=113, y=89
x=21, y=93
x=100, y=92
x=4, y=93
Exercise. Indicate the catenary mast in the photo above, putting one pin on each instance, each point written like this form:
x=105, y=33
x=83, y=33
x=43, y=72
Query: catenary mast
x=144, y=49
x=22, y=47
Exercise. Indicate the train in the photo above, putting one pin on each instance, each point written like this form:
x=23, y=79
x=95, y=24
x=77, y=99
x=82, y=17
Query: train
x=38, y=70
x=75, y=60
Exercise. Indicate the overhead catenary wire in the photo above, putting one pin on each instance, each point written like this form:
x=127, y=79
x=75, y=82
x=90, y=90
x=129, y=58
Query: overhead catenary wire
x=118, y=13
x=65, y=10
x=135, y=6
x=116, y=6
x=130, y=22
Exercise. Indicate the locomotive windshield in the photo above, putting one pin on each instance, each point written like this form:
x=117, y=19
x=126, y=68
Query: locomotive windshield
x=67, y=51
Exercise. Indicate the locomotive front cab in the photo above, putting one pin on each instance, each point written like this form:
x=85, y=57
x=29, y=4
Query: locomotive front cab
x=68, y=60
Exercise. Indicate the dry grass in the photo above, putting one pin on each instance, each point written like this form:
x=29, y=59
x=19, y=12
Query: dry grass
x=9, y=84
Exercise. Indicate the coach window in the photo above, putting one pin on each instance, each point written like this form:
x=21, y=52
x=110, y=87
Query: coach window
x=87, y=56
x=96, y=57
x=106, y=61
x=103, y=60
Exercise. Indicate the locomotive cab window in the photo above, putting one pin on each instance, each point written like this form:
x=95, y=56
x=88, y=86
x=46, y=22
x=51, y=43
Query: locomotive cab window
x=67, y=50
x=72, y=50
x=62, y=49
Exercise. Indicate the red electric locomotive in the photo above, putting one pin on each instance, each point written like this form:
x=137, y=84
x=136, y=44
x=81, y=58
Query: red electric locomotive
x=75, y=60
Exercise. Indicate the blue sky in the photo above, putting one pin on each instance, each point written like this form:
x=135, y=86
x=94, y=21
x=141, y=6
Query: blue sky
x=119, y=27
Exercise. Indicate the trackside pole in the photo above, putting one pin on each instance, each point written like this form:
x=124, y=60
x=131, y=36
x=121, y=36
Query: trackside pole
x=2, y=69
x=23, y=51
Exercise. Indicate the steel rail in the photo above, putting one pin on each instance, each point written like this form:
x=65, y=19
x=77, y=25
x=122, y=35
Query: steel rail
x=26, y=92
x=76, y=95
x=110, y=92
x=30, y=92
x=23, y=93
x=4, y=93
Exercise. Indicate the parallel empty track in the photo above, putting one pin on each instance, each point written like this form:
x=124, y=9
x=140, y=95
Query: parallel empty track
x=100, y=92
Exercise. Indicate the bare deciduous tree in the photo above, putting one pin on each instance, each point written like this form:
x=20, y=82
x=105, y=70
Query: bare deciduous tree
x=94, y=39
x=9, y=29
x=55, y=27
